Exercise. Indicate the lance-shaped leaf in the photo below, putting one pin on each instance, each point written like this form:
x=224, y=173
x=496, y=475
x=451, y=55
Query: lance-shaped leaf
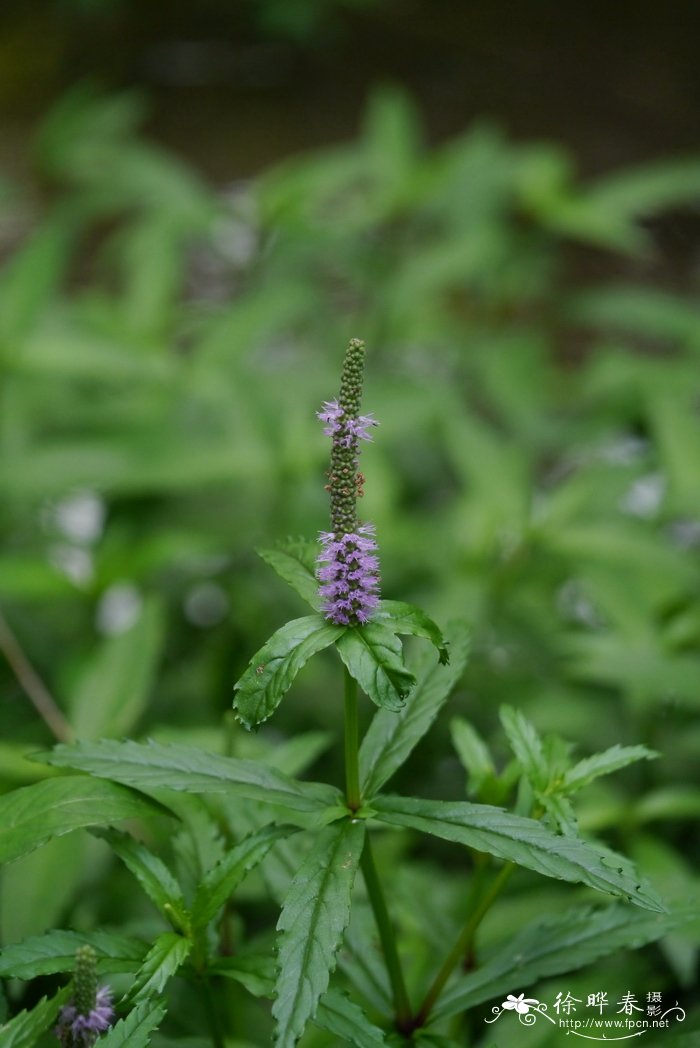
x=272, y=669
x=526, y=745
x=167, y=954
x=26, y=1028
x=33, y=814
x=184, y=768
x=557, y=945
x=604, y=763
x=474, y=755
x=151, y=872
x=312, y=923
x=254, y=971
x=374, y=657
x=294, y=561
x=223, y=879
x=135, y=1031
x=342, y=1017
x=55, y=952
x=392, y=735
x=408, y=619
x=335, y=1012
x=521, y=840
x=113, y=689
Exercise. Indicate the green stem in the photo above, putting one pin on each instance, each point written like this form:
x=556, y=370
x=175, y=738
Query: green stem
x=463, y=945
x=215, y=1031
x=352, y=767
x=402, y=1007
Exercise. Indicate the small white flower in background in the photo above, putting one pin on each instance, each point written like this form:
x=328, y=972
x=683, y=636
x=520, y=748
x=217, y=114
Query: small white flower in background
x=80, y=517
x=520, y=1004
x=118, y=609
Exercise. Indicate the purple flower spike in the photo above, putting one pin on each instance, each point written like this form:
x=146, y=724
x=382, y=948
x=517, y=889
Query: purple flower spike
x=90, y=1012
x=348, y=565
x=76, y=1030
x=349, y=578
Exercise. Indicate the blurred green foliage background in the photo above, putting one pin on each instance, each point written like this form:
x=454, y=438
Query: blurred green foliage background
x=176, y=296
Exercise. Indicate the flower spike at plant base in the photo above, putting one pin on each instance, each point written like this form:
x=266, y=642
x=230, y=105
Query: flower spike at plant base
x=90, y=1012
x=349, y=566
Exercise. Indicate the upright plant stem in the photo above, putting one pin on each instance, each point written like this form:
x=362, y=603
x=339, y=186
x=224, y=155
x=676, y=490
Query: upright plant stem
x=217, y=1037
x=34, y=687
x=352, y=767
x=463, y=944
x=402, y=1007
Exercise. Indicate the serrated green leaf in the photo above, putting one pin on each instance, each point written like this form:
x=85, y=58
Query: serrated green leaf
x=517, y=839
x=365, y=968
x=408, y=619
x=151, y=872
x=526, y=745
x=135, y=1030
x=473, y=753
x=55, y=952
x=312, y=923
x=25, y=1028
x=155, y=766
x=560, y=812
x=273, y=668
x=374, y=657
x=33, y=814
x=557, y=945
x=392, y=736
x=168, y=953
x=254, y=971
x=604, y=763
x=345, y=1019
x=223, y=879
x=114, y=687
x=294, y=561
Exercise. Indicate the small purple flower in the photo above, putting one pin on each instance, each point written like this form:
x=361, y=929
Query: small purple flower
x=90, y=1011
x=349, y=576
x=75, y=1030
x=332, y=414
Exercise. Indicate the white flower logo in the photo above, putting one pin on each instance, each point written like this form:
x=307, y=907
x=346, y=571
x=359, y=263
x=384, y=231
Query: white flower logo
x=520, y=1004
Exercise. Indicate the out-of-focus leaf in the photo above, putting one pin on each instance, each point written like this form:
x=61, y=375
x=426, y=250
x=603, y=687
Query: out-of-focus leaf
x=55, y=952
x=345, y=1019
x=557, y=945
x=605, y=763
x=114, y=686
x=33, y=814
x=473, y=753
x=526, y=745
